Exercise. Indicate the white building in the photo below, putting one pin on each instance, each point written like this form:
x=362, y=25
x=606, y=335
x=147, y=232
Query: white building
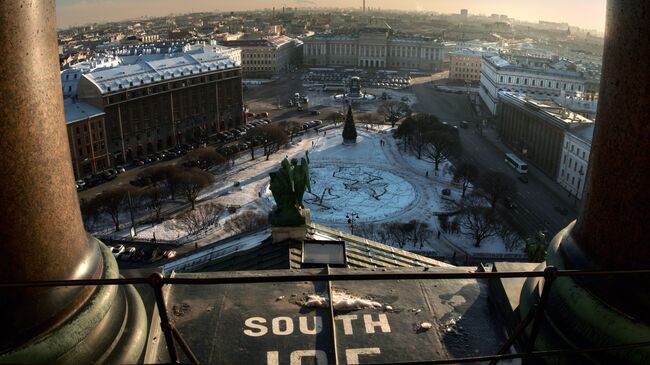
x=540, y=78
x=575, y=159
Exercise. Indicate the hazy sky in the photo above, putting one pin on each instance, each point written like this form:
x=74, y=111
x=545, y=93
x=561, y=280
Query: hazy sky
x=583, y=13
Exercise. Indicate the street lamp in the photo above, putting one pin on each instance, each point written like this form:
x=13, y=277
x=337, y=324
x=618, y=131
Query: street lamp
x=352, y=217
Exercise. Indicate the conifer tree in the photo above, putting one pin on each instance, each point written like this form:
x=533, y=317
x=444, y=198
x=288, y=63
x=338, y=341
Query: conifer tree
x=349, y=130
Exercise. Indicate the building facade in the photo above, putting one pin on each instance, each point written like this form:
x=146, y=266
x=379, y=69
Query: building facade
x=267, y=57
x=538, y=78
x=575, y=159
x=164, y=100
x=374, y=48
x=86, y=128
x=465, y=65
x=536, y=130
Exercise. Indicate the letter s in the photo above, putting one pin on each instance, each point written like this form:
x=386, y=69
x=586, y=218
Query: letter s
x=257, y=327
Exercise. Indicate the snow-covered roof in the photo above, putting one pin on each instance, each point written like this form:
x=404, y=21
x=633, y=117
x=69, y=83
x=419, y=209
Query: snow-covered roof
x=152, y=68
x=584, y=132
x=498, y=61
x=76, y=110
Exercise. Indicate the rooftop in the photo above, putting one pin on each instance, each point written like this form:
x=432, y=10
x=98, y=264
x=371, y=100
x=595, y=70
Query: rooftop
x=76, y=110
x=379, y=321
x=505, y=65
x=547, y=108
x=150, y=68
x=584, y=132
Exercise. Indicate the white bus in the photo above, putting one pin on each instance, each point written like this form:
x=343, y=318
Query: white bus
x=516, y=163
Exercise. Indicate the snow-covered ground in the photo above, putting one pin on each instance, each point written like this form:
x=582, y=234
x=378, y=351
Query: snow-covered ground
x=374, y=179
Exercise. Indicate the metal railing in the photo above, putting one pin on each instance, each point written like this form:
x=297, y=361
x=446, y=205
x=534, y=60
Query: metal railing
x=535, y=316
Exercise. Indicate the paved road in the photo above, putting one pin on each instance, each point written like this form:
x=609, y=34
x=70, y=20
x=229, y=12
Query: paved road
x=535, y=202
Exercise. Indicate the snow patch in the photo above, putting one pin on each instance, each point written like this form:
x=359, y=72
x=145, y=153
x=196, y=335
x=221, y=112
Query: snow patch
x=341, y=301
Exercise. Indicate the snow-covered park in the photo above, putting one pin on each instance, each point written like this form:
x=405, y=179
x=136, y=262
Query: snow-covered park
x=373, y=179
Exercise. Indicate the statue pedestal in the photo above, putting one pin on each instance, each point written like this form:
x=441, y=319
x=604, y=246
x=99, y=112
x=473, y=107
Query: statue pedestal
x=298, y=233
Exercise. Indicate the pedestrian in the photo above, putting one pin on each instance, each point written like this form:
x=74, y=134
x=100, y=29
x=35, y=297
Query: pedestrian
x=427, y=174
x=439, y=237
x=312, y=143
x=324, y=133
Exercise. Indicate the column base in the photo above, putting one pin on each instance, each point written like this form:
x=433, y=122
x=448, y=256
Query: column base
x=575, y=318
x=110, y=327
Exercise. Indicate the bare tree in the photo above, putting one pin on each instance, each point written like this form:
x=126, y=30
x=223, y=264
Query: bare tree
x=392, y=111
x=478, y=222
x=272, y=138
x=438, y=146
x=204, y=158
x=291, y=127
x=496, y=185
x=245, y=221
x=90, y=212
x=421, y=232
x=464, y=174
x=204, y=218
x=510, y=238
x=191, y=182
x=400, y=233
x=113, y=201
x=153, y=199
x=335, y=117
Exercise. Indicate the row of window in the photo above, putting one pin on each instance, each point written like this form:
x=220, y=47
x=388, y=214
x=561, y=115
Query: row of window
x=167, y=86
x=565, y=176
x=540, y=83
x=258, y=55
x=371, y=51
x=566, y=146
x=98, y=146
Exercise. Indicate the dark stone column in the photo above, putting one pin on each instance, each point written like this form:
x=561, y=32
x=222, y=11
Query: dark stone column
x=612, y=229
x=42, y=235
x=611, y=232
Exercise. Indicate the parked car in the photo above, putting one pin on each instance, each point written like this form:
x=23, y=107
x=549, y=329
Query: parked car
x=315, y=112
x=118, y=249
x=169, y=254
x=128, y=253
x=120, y=169
x=138, y=162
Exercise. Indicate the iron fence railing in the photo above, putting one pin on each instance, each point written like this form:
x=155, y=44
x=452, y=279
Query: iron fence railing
x=173, y=337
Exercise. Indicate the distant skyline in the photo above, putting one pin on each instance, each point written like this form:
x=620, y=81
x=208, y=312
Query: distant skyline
x=589, y=14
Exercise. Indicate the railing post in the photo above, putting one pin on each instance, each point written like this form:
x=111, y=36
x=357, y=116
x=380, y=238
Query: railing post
x=516, y=333
x=550, y=274
x=156, y=282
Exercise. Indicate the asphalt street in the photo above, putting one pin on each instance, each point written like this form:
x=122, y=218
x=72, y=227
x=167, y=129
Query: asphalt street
x=535, y=202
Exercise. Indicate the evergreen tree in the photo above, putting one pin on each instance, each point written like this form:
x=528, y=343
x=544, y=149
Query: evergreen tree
x=349, y=130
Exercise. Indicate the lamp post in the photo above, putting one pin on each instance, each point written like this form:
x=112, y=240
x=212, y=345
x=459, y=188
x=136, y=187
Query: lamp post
x=351, y=218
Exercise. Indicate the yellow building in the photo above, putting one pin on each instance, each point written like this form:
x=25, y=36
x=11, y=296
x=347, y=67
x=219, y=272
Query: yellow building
x=465, y=65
